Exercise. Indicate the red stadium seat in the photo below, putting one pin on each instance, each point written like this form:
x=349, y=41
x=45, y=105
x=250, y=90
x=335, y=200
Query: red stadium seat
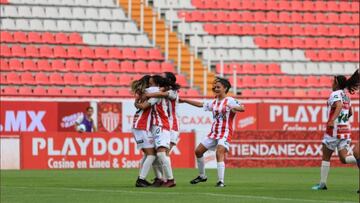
x=9, y=91
x=34, y=37
x=247, y=93
x=25, y=91
x=288, y=81
x=127, y=66
x=70, y=79
x=115, y=53
x=60, y=52
x=275, y=81
x=3, y=78
x=128, y=53
x=61, y=38
x=111, y=79
x=6, y=37
x=99, y=66
x=97, y=80
x=41, y=79
x=312, y=81
x=300, y=81
x=110, y=92
x=56, y=79
x=154, y=67
x=75, y=38
x=31, y=51
x=46, y=52
x=27, y=78
x=29, y=65
x=113, y=66
x=167, y=67
x=140, y=67
x=155, y=54
x=5, y=51
x=287, y=93
x=86, y=66
x=53, y=91
x=67, y=91
x=192, y=93
x=17, y=51
x=84, y=79
x=247, y=68
x=48, y=38
x=20, y=37
x=124, y=80
x=87, y=52
x=261, y=81
x=13, y=78
x=72, y=66
x=313, y=93
x=4, y=65
x=261, y=93
x=325, y=81
x=248, y=81
x=141, y=53
x=44, y=65
x=58, y=65
x=73, y=52
x=123, y=92
x=101, y=52
x=96, y=92
x=274, y=93
x=40, y=91
x=15, y=64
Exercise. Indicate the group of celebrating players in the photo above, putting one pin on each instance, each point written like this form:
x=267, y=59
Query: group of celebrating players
x=156, y=127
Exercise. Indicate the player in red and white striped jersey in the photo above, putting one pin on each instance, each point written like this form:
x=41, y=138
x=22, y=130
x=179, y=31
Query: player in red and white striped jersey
x=171, y=93
x=160, y=128
x=141, y=130
x=224, y=109
x=337, y=135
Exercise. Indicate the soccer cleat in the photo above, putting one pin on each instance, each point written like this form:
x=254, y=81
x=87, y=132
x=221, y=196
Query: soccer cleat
x=157, y=182
x=319, y=187
x=142, y=183
x=220, y=184
x=198, y=180
x=169, y=183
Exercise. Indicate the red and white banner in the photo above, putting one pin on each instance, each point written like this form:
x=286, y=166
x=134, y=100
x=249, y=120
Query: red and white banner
x=278, y=149
x=298, y=116
x=93, y=150
x=18, y=116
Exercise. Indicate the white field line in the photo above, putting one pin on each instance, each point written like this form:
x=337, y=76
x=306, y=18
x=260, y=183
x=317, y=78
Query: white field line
x=135, y=191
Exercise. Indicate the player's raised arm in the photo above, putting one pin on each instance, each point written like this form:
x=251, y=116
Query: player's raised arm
x=191, y=102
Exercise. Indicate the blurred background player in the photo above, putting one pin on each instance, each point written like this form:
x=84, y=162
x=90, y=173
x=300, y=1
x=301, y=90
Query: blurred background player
x=171, y=93
x=85, y=123
x=223, y=109
x=337, y=135
x=160, y=128
x=141, y=129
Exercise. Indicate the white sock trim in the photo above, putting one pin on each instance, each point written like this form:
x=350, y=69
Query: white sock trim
x=165, y=165
x=201, y=166
x=324, y=171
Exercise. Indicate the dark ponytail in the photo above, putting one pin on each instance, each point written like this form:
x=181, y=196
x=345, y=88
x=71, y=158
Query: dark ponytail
x=172, y=81
x=351, y=84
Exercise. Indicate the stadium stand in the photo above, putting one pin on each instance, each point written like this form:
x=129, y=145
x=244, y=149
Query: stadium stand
x=73, y=48
x=86, y=47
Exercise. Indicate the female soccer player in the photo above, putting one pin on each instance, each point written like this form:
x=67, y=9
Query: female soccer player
x=171, y=93
x=141, y=129
x=223, y=109
x=337, y=135
x=160, y=129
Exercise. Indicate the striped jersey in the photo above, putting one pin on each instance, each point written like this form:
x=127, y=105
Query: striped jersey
x=142, y=118
x=173, y=109
x=222, y=126
x=160, y=113
x=341, y=123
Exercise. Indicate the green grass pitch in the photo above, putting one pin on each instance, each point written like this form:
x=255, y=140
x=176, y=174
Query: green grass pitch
x=243, y=185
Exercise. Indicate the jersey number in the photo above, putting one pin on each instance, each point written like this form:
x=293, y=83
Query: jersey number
x=343, y=117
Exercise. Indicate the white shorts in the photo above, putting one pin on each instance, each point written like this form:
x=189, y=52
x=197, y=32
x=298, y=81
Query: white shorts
x=174, y=137
x=144, y=139
x=211, y=144
x=333, y=143
x=161, y=137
